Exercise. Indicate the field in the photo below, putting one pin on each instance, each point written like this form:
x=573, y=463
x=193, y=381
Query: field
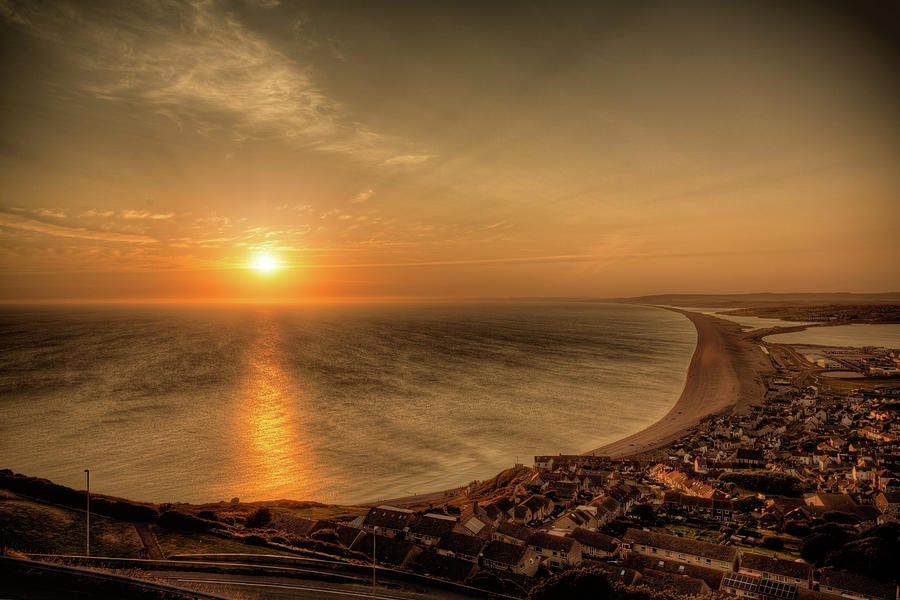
x=34, y=527
x=179, y=542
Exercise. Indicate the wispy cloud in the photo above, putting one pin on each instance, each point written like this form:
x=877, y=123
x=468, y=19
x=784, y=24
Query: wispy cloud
x=363, y=197
x=21, y=223
x=407, y=160
x=196, y=62
x=142, y=214
x=55, y=213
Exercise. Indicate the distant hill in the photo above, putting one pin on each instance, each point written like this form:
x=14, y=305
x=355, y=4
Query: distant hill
x=762, y=299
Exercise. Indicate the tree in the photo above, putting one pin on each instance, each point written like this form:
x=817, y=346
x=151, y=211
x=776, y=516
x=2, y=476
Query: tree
x=326, y=535
x=576, y=583
x=748, y=504
x=773, y=543
x=260, y=518
x=644, y=512
x=819, y=544
x=486, y=581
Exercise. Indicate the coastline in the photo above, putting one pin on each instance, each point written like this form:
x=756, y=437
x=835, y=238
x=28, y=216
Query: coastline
x=725, y=374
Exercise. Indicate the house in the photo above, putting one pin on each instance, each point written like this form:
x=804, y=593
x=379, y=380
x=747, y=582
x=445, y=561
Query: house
x=776, y=569
x=748, y=586
x=535, y=508
x=388, y=520
x=713, y=508
x=509, y=557
x=429, y=528
x=511, y=533
x=614, y=572
x=888, y=503
x=557, y=551
x=389, y=550
x=747, y=456
x=460, y=545
x=437, y=565
x=583, y=516
x=595, y=544
x=714, y=556
x=712, y=577
x=857, y=587
x=683, y=584
x=499, y=510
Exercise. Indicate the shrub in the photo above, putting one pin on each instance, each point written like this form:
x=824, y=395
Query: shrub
x=326, y=535
x=486, y=581
x=767, y=482
x=773, y=543
x=797, y=529
x=748, y=504
x=644, y=512
x=575, y=583
x=255, y=540
x=260, y=518
x=173, y=519
x=840, y=517
x=44, y=489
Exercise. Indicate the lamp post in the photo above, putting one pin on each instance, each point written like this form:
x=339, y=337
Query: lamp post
x=374, y=538
x=87, y=527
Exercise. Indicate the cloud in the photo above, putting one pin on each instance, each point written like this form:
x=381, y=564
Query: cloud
x=25, y=224
x=407, y=160
x=197, y=63
x=55, y=213
x=97, y=213
x=142, y=214
x=363, y=197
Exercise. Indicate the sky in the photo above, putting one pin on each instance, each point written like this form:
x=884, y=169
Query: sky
x=160, y=150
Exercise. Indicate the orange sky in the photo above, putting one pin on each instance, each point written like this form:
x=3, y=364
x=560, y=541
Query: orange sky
x=157, y=150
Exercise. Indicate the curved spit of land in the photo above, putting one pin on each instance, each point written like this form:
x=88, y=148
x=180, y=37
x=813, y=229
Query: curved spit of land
x=725, y=374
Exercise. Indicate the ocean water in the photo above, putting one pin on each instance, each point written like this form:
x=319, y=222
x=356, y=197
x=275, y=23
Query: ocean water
x=858, y=335
x=333, y=403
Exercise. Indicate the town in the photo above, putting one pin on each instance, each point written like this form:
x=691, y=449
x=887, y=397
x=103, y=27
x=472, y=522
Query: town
x=796, y=498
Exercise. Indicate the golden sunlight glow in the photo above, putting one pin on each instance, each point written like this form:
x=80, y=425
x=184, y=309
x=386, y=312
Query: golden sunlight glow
x=274, y=456
x=265, y=263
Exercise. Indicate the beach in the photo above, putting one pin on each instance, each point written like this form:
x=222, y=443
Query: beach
x=725, y=374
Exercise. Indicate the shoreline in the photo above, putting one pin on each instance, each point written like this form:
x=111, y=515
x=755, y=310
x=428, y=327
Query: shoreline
x=725, y=374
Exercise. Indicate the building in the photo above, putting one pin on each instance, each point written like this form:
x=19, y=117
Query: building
x=776, y=569
x=389, y=520
x=429, y=528
x=748, y=586
x=857, y=587
x=583, y=516
x=713, y=556
x=509, y=557
x=595, y=544
x=511, y=533
x=683, y=584
x=460, y=545
x=557, y=551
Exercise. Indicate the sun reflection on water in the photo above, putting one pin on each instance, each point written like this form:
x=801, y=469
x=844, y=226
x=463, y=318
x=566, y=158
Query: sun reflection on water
x=274, y=455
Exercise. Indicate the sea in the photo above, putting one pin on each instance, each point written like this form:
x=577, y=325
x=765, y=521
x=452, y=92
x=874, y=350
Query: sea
x=336, y=403
x=885, y=335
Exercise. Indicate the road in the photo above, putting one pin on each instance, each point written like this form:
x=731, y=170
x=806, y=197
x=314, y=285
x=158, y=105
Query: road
x=274, y=587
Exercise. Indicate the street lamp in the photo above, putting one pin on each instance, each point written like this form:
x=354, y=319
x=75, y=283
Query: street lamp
x=374, y=537
x=87, y=527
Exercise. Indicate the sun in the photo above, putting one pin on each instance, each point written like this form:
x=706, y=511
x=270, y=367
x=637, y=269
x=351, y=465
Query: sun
x=265, y=263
